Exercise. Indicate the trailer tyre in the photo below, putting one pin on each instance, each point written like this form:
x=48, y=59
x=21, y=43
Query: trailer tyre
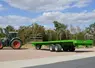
x=65, y=49
x=72, y=49
x=52, y=47
x=1, y=45
x=58, y=48
x=38, y=47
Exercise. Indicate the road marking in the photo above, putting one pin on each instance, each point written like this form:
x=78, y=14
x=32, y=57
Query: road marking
x=43, y=61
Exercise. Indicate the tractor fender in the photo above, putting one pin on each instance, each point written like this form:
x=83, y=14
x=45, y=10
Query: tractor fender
x=16, y=39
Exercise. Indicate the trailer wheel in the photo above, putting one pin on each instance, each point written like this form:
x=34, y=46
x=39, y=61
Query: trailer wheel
x=65, y=49
x=38, y=47
x=57, y=47
x=52, y=47
x=72, y=49
x=1, y=45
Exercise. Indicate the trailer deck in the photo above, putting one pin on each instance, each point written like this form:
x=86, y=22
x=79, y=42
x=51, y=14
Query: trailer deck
x=76, y=42
x=65, y=44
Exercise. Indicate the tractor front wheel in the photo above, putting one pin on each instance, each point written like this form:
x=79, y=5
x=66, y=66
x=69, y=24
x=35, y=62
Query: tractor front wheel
x=16, y=44
x=1, y=45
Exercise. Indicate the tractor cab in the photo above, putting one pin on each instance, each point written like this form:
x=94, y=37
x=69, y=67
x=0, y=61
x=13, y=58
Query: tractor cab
x=10, y=39
x=12, y=35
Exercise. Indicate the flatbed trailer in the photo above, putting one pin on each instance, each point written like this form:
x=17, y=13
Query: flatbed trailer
x=66, y=45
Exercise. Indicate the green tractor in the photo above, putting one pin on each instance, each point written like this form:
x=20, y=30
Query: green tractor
x=11, y=40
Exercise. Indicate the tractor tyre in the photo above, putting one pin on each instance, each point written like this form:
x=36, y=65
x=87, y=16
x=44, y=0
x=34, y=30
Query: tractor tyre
x=16, y=44
x=1, y=45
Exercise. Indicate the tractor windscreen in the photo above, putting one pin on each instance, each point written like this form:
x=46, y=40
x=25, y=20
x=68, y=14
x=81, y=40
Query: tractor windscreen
x=13, y=35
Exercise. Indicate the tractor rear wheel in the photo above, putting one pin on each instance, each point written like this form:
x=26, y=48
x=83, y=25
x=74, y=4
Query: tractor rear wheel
x=1, y=45
x=16, y=44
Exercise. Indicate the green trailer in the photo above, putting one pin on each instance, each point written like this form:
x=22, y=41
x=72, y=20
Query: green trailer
x=65, y=45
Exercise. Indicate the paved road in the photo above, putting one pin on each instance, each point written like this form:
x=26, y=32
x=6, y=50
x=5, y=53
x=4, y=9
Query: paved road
x=24, y=53
x=82, y=63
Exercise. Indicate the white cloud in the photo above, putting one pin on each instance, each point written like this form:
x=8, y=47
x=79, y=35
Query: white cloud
x=14, y=20
x=2, y=7
x=47, y=5
x=67, y=18
x=81, y=3
x=94, y=10
x=48, y=17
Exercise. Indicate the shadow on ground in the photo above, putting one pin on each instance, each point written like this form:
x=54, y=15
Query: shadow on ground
x=77, y=51
x=81, y=51
x=14, y=49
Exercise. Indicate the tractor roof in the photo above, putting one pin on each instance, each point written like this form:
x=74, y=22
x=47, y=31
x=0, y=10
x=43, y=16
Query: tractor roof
x=13, y=32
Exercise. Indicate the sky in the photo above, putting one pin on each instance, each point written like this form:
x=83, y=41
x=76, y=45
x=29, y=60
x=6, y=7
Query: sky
x=26, y=12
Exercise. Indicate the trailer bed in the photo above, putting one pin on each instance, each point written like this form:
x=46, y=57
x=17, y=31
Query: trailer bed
x=75, y=42
x=66, y=45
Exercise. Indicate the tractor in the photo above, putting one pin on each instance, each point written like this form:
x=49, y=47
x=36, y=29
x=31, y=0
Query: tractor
x=11, y=39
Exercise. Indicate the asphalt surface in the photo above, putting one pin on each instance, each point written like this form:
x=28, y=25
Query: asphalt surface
x=81, y=63
x=9, y=54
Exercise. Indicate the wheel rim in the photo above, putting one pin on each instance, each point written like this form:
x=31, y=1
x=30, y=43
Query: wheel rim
x=51, y=48
x=16, y=44
x=38, y=47
x=1, y=45
x=56, y=48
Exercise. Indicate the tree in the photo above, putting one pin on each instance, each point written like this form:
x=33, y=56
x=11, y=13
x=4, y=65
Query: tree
x=81, y=35
x=59, y=26
x=1, y=33
x=50, y=35
x=77, y=33
x=61, y=29
x=91, y=31
x=38, y=31
x=73, y=32
x=78, y=29
x=21, y=33
x=33, y=32
x=10, y=28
